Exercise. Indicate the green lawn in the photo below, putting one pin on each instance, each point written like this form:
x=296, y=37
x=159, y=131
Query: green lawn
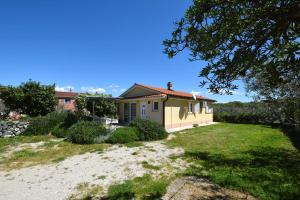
x=253, y=158
x=145, y=188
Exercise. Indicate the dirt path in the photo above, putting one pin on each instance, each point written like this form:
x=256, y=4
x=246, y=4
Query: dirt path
x=116, y=164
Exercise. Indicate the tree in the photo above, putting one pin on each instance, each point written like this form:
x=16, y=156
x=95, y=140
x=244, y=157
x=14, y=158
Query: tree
x=80, y=103
x=257, y=41
x=104, y=105
x=30, y=98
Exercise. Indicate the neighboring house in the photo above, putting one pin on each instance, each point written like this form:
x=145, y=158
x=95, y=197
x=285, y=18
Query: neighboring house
x=170, y=108
x=66, y=100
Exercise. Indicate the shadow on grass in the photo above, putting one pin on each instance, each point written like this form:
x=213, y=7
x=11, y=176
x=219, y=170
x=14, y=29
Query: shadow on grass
x=293, y=133
x=266, y=173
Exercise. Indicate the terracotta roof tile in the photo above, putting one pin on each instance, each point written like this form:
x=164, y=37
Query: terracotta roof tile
x=148, y=96
x=173, y=92
x=66, y=94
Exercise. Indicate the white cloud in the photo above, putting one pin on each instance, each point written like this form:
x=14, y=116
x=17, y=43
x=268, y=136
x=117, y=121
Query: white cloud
x=92, y=90
x=196, y=92
x=66, y=88
x=113, y=86
x=236, y=92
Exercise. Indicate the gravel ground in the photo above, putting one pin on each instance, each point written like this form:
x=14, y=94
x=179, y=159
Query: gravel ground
x=191, y=188
x=114, y=165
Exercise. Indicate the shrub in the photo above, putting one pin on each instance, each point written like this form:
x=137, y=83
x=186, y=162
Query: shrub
x=149, y=130
x=86, y=132
x=195, y=125
x=56, y=117
x=59, y=131
x=44, y=125
x=38, y=126
x=70, y=119
x=123, y=135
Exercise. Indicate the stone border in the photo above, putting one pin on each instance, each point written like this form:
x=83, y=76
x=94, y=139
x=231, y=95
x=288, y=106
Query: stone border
x=12, y=128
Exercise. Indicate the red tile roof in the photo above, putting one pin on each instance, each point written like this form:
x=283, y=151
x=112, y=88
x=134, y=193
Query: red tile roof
x=173, y=92
x=147, y=96
x=66, y=94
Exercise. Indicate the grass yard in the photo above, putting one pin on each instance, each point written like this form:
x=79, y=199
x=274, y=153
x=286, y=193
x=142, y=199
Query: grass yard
x=256, y=159
x=144, y=187
x=50, y=150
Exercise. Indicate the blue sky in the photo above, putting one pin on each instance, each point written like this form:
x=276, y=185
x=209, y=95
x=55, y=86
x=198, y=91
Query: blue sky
x=93, y=45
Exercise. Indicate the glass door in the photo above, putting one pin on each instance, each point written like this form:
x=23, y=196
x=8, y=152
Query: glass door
x=129, y=112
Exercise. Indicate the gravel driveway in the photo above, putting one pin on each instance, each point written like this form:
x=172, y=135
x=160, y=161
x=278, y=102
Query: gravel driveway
x=114, y=165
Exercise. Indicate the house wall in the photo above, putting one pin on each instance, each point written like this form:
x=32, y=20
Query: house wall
x=176, y=112
x=66, y=106
x=156, y=116
x=177, y=115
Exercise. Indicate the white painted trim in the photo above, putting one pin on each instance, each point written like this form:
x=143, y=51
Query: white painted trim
x=138, y=86
x=153, y=110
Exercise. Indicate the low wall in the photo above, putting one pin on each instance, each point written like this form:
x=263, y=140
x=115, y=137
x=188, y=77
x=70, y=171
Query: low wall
x=12, y=128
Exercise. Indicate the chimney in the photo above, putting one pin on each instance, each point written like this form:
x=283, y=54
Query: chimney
x=170, y=85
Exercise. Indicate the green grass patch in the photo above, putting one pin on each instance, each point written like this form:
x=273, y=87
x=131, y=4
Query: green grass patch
x=51, y=151
x=13, y=141
x=85, y=191
x=146, y=165
x=134, y=144
x=254, y=158
x=144, y=187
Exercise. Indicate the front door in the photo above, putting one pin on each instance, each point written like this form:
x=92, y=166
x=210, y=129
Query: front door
x=143, y=110
x=129, y=112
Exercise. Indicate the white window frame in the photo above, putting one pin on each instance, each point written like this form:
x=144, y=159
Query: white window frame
x=153, y=109
x=190, y=105
x=208, y=110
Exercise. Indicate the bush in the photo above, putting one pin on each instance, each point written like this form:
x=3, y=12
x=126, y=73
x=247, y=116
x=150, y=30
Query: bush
x=86, y=132
x=123, y=135
x=70, y=119
x=149, y=130
x=59, y=131
x=44, y=125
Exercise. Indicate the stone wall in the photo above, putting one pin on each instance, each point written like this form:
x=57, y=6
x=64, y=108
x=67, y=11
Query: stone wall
x=12, y=128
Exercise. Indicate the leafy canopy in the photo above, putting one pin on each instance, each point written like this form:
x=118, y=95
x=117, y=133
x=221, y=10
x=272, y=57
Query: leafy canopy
x=104, y=105
x=30, y=98
x=257, y=41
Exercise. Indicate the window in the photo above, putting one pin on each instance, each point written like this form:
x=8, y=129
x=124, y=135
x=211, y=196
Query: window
x=132, y=111
x=197, y=107
x=201, y=106
x=190, y=107
x=129, y=112
x=155, y=106
x=67, y=101
x=208, y=109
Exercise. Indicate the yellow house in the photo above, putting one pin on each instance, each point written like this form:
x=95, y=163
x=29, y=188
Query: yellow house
x=170, y=108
